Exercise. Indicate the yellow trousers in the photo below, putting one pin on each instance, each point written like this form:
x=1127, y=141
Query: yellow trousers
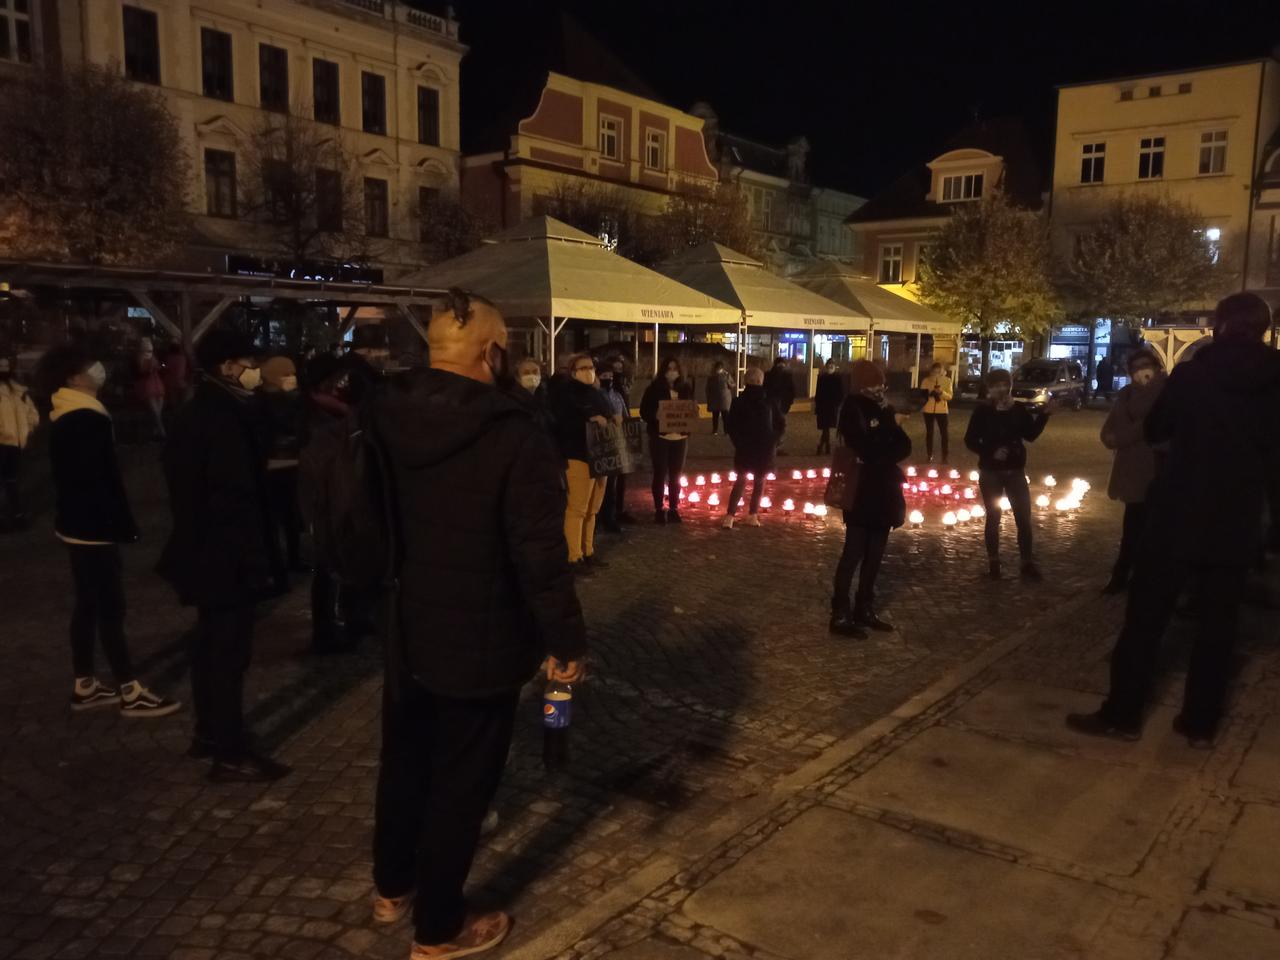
x=586, y=493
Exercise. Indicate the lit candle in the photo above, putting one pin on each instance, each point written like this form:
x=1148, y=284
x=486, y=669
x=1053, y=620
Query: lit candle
x=973, y=476
x=808, y=508
x=978, y=511
x=797, y=475
x=933, y=474
x=820, y=510
x=713, y=500
x=1063, y=505
x=911, y=471
x=699, y=481
x=771, y=476
x=715, y=478
x=924, y=486
x=751, y=476
x=826, y=473
x=684, y=481
x=954, y=475
x=946, y=490
x=916, y=518
x=811, y=474
x=788, y=505
x=765, y=503
x=1051, y=481
x=733, y=476
x=681, y=495
x=964, y=516
x=969, y=494
x=1042, y=501
x=695, y=497
x=948, y=519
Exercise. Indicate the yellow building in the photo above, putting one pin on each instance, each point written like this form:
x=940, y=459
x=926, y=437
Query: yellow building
x=380, y=76
x=1196, y=135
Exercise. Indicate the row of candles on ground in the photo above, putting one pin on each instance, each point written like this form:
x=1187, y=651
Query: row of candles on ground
x=916, y=485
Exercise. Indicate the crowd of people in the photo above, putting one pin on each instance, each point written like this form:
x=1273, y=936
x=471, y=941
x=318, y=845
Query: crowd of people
x=488, y=489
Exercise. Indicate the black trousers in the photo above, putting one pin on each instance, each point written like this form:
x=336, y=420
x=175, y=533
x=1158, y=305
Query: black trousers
x=716, y=417
x=610, y=506
x=340, y=613
x=941, y=421
x=1153, y=594
x=221, y=650
x=863, y=546
x=668, y=460
x=442, y=760
x=10, y=460
x=824, y=440
x=740, y=485
x=98, y=612
x=1135, y=522
x=1013, y=484
x=282, y=488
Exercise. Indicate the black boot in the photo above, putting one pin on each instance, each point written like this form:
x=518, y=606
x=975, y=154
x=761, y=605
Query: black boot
x=993, y=570
x=1119, y=583
x=868, y=619
x=842, y=625
x=659, y=516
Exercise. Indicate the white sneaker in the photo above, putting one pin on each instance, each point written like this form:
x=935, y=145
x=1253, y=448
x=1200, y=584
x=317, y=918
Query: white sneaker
x=141, y=702
x=727, y=522
x=92, y=695
x=751, y=520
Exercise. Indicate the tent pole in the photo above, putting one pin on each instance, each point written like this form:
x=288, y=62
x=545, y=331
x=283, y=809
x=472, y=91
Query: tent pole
x=655, y=349
x=915, y=377
x=636, y=366
x=551, y=350
x=812, y=365
x=955, y=369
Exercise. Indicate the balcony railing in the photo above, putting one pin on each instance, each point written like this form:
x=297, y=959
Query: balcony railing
x=402, y=13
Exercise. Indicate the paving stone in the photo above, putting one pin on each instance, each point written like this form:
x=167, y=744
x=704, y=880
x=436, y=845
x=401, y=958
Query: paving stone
x=1075, y=808
x=1260, y=771
x=832, y=886
x=1211, y=936
x=1246, y=867
x=656, y=950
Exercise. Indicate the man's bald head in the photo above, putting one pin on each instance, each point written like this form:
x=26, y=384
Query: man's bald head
x=468, y=336
x=755, y=377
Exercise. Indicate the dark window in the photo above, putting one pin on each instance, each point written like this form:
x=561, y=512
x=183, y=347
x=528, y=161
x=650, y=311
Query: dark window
x=1093, y=162
x=373, y=102
x=273, y=77
x=428, y=197
x=1184, y=87
x=1151, y=158
x=1154, y=91
x=279, y=188
x=215, y=63
x=141, y=45
x=1126, y=94
x=329, y=200
x=220, y=183
x=375, y=207
x=15, y=30
x=429, y=116
x=325, y=92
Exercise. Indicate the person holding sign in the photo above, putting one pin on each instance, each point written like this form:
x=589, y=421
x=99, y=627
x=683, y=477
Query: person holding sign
x=668, y=410
x=576, y=405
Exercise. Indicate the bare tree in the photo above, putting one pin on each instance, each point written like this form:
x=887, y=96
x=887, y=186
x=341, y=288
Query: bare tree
x=697, y=213
x=446, y=228
x=92, y=167
x=304, y=188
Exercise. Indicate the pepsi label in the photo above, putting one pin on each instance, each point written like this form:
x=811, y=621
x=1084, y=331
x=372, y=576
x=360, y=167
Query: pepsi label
x=557, y=712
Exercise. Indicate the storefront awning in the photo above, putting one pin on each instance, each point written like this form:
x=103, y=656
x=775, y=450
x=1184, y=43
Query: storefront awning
x=888, y=312
x=765, y=299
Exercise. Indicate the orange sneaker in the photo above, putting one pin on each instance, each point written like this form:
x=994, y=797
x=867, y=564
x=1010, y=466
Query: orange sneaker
x=391, y=909
x=480, y=932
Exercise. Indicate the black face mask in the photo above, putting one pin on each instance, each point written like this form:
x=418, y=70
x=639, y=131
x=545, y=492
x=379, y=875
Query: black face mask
x=500, y=366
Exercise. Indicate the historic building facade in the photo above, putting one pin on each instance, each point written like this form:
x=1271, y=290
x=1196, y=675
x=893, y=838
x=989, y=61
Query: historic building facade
x=378, y=76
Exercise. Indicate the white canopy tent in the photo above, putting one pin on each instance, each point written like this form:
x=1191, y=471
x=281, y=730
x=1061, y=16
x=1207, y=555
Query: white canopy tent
x=888, y=312
x=765, y=300
x=551, y=272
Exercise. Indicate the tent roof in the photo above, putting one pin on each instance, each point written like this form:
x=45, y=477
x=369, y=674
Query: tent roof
x=546, y=268
x=889, y=312
x=768, y=300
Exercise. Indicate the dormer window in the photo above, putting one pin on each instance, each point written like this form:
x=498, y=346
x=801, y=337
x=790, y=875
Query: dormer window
x=961, y=186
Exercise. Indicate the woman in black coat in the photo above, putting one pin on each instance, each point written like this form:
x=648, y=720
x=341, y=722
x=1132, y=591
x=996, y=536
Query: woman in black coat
x=828, y=395
x=754, y=425
x=870, y=427
x=666, y=450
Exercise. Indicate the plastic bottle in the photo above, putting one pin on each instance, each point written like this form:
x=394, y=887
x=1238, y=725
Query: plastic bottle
x=557, y=715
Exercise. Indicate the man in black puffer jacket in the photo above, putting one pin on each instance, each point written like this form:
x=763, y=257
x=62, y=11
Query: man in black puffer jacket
x=485, y=594
x=1217, y=414
x=754, y=424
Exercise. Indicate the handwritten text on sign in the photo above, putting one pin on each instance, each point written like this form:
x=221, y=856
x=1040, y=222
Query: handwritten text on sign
x=677, y=416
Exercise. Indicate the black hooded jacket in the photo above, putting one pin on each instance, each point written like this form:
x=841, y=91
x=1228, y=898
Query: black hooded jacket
x=754, y=424
x=881, y=444
x=1218, y=413
x=486, y=590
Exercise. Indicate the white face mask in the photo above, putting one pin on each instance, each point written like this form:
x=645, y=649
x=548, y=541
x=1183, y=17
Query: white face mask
x=530, y=381
x=673, y=376
x=250, y=378
x=97, y=375
x=289, y=383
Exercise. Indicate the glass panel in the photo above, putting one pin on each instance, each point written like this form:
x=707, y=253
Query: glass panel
x=5, y=50
x=23, y=30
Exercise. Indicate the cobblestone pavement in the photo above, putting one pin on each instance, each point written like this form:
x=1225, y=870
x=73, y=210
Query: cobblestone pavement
x=719, y=707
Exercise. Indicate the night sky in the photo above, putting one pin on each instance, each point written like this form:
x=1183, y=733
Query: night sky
x=877, y=87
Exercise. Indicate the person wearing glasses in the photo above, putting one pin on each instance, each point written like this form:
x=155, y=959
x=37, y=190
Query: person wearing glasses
x=577, y=403
x=221, y=553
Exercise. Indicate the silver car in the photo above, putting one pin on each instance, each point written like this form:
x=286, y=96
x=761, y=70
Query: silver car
x=1043, y=383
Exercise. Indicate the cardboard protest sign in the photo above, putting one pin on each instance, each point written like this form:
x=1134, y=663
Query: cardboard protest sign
x=677, y=416
x=607, y=449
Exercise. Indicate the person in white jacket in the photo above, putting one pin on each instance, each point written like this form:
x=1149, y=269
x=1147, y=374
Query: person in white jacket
x=937, y=391
x=18, y=420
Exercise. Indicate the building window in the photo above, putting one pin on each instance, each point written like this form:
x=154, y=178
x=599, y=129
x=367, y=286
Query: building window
x=1213, y=151
x=141, y=45
x=15, y=30
x=1154, y=91
x=326, y=95
x=964, y=186
x=1093, y=161
x=428, y=198
x=766, y=210
x=220, y=183
x=329, y=200
x=922, y=254
x=375, y=207
x=278, y=190
x=891, y=263
x=1184, y=87
x=655, y=150
x=273, y=77
x=429, y=116
x=610, y=137
x=215, y=64
x=373, y=102
x=1151, y=158
x=1126, y=94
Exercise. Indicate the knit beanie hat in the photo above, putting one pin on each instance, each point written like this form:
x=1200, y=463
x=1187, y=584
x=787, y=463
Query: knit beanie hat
x=276, y=369
x=1143, y=358
x=999, y=375
x=220, y=345
x=369, y=336
x=865, y=375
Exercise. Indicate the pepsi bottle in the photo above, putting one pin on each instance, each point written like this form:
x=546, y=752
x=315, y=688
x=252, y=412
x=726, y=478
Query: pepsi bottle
x=557, y=715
